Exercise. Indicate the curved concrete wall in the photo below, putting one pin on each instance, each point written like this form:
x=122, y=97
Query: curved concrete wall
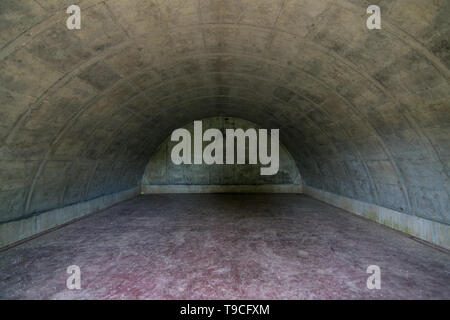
x=162, y=172
x=364, y=113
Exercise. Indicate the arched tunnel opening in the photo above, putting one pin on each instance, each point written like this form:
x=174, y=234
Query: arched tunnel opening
x=88, y=180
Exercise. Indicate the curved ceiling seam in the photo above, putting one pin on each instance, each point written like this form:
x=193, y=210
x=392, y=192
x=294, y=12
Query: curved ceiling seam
x=244, y=75
x=201, y=98
x=113, y=136
x=117, y=48
x=312, y=159
x=427, y=142
x=97, y=161
x=305, y=114
x=193, y=89
x=423, y=137
x=64, y=79
x=267, y=61
x=26, y=36
x=227, y=104
x=77, y=157
x=315, y=46
x=286, y=149
x=316, y=79
x=44, y=161
x=222, y=104
x=37, y=2
x=124, y=169
x=65, y=128
x=283, y=5
x=387, y=92
x=385, y=149
x=379, y=138
x=222, y=96
x=108, y=144
x=272, y=33
x=143, y=147
x=58, y=136
x=270, y=61
x=433, y=153
x=18, y=124
x=404, y=108
x=200, y=15
x=114, y=18
x=333, y=80
x=244, y=117
x=322, y=49
x=67, y=77
x=402, y=35
x=207, y=87
x=422, y=50
x=58, y=84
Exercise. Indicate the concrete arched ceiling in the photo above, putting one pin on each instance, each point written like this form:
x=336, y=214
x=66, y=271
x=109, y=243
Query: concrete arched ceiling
x=365, y=113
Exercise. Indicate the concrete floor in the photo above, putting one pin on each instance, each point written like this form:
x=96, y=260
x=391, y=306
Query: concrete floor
x=224, y=247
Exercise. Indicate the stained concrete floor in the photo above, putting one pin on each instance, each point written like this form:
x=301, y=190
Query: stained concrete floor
x=224, y=247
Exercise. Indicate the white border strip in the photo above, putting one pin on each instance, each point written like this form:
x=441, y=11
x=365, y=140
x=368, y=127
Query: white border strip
x=431, y=231
x=15, y=231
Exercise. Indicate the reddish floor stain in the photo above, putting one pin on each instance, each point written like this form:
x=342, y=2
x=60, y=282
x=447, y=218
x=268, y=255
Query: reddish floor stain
x=224, y=247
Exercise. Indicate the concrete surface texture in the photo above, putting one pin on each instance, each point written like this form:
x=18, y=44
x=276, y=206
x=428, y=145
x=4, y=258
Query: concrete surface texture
x=162, y=171
x=224, y=247
x=364, y=113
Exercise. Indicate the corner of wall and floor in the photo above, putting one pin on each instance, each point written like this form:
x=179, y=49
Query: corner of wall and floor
x=430, y=231
x=15, y=231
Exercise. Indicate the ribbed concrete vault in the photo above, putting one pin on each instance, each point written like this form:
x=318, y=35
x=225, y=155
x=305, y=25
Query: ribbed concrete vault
x=365, y=113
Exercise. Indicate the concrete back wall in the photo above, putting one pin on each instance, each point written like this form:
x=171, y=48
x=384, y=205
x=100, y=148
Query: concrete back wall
x=161, y=171
x=364, y=113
